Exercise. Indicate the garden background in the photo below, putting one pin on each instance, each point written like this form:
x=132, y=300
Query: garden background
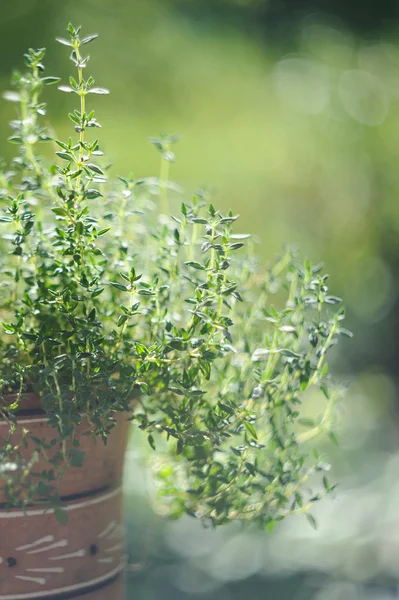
x=289, y=110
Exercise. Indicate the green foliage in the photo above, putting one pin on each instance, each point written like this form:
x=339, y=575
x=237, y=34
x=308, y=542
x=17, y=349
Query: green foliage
x=106, y=298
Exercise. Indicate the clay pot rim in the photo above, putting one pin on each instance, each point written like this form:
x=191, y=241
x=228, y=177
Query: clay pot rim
x=30, y=403
x=112, y=489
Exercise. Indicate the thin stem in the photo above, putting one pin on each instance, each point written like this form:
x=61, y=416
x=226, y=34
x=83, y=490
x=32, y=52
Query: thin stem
x=324, y=424
x=322, y=358
x=163, y=183
x=82, y=94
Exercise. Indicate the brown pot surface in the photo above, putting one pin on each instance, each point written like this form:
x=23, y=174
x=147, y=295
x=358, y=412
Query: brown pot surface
x=40, y=558
x=31, y=401
x=102, y=466
x=28, y=401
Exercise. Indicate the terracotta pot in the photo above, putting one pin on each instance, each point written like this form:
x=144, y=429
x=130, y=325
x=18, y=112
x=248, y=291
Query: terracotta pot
x=103, y=465
x=41, y=558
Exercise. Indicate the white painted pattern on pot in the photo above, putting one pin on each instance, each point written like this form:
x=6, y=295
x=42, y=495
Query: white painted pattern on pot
x=47, y=538
x=69, y=588
x=60, y=544
x=37, y=419
x=108, y=530
x=76, y=554
x=48, y=548
x=26, y=421
x=116, y=533
x=39, y=580
x=58, y=570
x=115, y=548
x=109, y=559
x=47, y=570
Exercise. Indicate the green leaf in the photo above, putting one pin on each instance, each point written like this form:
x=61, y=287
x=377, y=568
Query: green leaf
x=289, y=353
x=64, y=42
x=97, y=292
x=12, y=96
x=260, y=354
x=142, y=386
x=95, y=168
x=61, y=515
x=89, y=39
x=271, y=526
x=98, y=90
x=227, y=409
x=205, y=247
x=251, y=468
x=119, y=286
x=195, y=265
x=306, y=422
x=332, y=300
x=345, y=332
x=15, y=139
x=250, y=429
x=141, y=349
x=60, y=212
x=333, y=438
x=79, y=226
x=227, y=220
x=62, y=144
x=76, y=457
x=29, y=336
x=311, y=521
x=66, y=89
x=205, y=368
x=74, y=84
x=91, y=194
x=8, y=328
x=324, y=390
x=50, y=80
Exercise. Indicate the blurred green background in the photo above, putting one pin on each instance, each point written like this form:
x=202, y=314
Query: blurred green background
x=290, y=111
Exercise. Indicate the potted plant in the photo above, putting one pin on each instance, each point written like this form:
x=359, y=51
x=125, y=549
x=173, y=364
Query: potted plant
x=114, y=311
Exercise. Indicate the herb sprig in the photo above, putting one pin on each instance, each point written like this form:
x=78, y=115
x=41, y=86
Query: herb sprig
x=106, y=298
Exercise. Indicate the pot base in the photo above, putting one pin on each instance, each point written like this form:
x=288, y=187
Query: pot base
x=41, y=558
x=112, y=591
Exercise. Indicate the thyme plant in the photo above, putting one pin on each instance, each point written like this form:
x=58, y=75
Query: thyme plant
x=110, y=304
